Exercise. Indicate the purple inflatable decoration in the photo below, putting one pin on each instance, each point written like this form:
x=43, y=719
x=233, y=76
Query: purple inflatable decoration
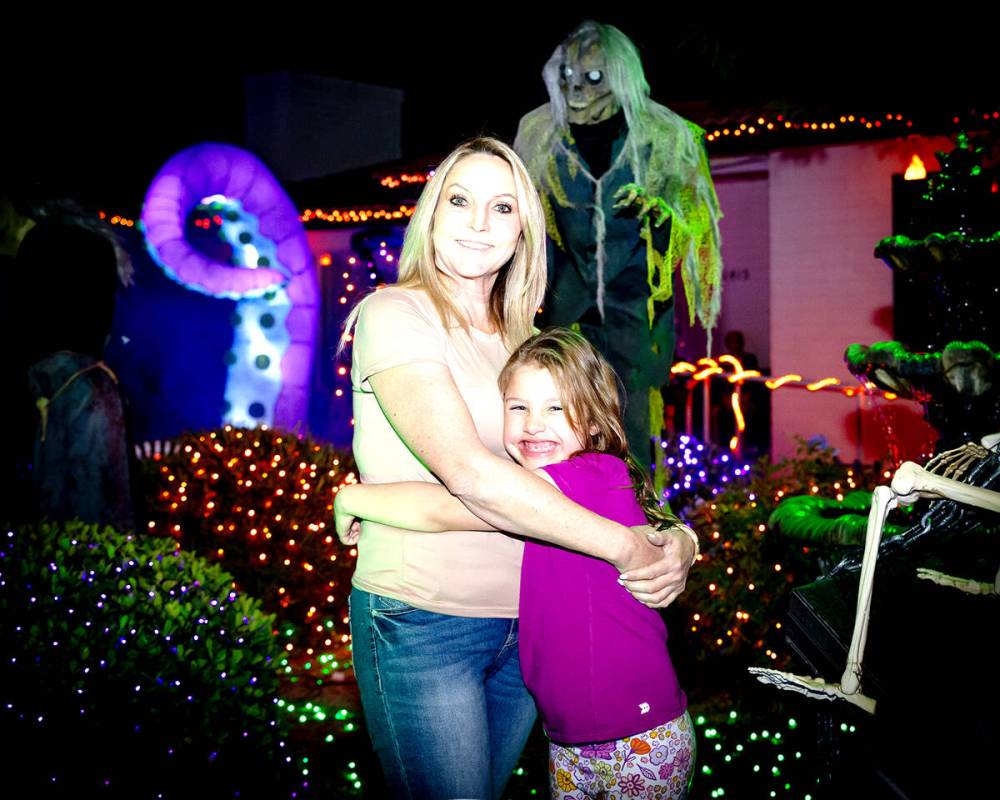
x=271, y=274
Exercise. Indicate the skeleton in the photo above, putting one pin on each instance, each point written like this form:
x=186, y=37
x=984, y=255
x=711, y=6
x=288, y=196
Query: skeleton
x=938, y=481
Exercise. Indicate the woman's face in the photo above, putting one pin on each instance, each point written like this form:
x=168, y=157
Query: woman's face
x=477, y=222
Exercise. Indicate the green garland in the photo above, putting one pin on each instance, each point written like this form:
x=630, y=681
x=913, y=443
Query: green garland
x=822, y=520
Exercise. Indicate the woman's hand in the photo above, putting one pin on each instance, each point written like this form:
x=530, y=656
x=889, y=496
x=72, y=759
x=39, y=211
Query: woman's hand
x=347, y=524
x=657, y=571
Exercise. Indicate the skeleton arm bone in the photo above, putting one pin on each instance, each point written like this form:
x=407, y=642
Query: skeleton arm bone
x=911, y=483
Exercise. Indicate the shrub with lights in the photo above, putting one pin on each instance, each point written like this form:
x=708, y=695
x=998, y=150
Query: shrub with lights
x=260, y=502
x=698, y=471
x=129, y=662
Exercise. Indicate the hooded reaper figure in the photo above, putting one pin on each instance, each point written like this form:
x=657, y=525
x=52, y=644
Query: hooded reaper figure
x=628, y=199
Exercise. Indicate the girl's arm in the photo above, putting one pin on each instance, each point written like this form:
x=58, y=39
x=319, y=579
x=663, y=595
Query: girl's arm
x=423, y=404
x=414, y=505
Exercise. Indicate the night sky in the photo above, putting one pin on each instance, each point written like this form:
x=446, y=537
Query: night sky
x=96, y=115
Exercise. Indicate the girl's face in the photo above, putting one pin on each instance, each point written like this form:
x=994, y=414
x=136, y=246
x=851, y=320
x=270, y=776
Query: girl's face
x=476, y=222
x=536, y=429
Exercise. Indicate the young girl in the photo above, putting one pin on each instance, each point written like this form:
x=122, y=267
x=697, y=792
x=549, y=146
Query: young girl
x=593, y=657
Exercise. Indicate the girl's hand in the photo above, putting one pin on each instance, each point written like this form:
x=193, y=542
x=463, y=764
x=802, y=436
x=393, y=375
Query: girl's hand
x=348, y=526
x=350, y=536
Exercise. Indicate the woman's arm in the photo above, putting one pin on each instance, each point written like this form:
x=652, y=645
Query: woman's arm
x=417, y=506
x=423, y=404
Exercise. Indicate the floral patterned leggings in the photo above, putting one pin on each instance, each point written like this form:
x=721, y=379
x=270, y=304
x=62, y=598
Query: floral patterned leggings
x=655, y=765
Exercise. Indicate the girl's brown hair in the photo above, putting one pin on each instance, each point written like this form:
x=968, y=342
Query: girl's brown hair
x=589, y=390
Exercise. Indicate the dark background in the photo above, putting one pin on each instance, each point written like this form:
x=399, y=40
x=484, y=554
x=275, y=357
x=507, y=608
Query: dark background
x=96, y=103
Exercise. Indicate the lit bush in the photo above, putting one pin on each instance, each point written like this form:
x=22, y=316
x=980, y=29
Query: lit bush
x=128, y=662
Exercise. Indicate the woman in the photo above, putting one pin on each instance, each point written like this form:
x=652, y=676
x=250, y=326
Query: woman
x=434, y=616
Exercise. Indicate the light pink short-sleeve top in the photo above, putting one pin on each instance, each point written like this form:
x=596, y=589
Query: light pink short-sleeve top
x=463, y=573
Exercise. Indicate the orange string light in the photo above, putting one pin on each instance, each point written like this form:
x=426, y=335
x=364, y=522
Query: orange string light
x=774, y=384
x=706, y=372
x=738, y=412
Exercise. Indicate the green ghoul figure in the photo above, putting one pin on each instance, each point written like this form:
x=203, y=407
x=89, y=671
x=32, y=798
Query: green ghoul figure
x=628, y=200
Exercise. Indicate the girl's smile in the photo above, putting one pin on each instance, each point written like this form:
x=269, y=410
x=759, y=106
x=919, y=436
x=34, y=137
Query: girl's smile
x=536, y=426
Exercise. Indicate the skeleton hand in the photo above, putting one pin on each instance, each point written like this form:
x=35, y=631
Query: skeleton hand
x=649, y=205
x=954, y=463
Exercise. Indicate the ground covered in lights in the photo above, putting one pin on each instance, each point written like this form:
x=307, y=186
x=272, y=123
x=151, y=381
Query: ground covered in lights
x=773, y=747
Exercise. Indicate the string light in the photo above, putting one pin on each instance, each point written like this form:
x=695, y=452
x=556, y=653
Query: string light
x=116, y=219
x=394, y=181
x=355, y=216
x=762, y=125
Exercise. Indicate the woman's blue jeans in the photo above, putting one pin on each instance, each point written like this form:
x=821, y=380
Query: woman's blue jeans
x=443, y=697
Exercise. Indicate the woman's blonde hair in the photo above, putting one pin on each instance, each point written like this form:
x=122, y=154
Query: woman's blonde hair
x=520, y=285
x=589, y=389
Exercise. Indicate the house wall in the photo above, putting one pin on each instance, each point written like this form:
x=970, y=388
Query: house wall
x=829, y=206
